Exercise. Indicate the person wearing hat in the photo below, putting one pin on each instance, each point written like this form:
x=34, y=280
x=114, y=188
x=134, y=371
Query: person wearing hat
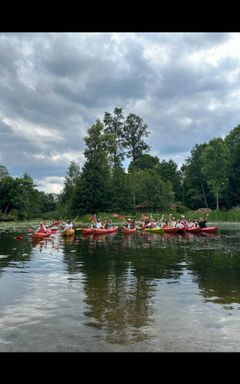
x=68, y=225
x=128, y=223
x=99, y=224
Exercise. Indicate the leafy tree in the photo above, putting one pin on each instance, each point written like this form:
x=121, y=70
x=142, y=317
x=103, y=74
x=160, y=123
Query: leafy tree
x=92, y=192
x=3, y=172
x=152, y=191
x=70, y=182
x=233, y=142
x=114, y=128
x=133, y=133
x=196, y=192
x=168, y=170
x=8, y=194
x=216, y=169
x=120, y=188
x=145, y=161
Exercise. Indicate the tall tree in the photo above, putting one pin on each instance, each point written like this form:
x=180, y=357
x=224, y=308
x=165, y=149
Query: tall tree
x=70, y=182
x=152, y=191
x=3, y=172
x=216, y=157
x=114, y=127
x=120, y=190
x=133, y=133
x=145, y=161
x=92, y=191
x=233, y=142
x=168, y=170
x=196, y=192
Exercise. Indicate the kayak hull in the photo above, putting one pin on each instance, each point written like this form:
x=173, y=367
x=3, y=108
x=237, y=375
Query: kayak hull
x=128, y=230
x=209, y=229
x=103, y=231
x=68, y=232
x=154, y=230
x=41, y=235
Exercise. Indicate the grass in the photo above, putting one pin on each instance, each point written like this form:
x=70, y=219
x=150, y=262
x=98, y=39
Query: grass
x=233, y=215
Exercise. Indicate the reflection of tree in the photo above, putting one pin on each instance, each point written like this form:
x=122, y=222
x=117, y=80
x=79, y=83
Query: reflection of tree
x=217, y=270
x=119, y=283
x=13, y=250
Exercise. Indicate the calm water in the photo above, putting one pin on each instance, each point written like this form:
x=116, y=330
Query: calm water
x=140, y=292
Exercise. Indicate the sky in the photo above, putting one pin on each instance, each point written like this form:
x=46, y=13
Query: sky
x=54, y=86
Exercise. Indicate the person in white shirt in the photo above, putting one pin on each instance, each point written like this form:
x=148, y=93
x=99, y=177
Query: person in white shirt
x=68, y=225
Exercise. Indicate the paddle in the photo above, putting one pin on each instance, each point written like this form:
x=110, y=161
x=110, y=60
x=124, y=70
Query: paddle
x=19, y=237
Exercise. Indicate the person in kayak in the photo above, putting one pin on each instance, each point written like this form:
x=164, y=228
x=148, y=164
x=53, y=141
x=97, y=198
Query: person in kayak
x=202, y=222
x=42, y=228
x=68, y=225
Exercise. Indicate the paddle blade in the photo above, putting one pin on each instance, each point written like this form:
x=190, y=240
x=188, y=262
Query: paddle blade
x=19, y=237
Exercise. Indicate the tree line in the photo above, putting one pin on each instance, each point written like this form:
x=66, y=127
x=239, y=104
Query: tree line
x=20, y=199
x=209, y=178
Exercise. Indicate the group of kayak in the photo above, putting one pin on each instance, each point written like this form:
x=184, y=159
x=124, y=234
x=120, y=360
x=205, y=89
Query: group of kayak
x=163, y=229
x=99, y=227
x=45, y=230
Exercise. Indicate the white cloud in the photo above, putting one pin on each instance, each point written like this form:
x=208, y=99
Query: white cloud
x=54, y=86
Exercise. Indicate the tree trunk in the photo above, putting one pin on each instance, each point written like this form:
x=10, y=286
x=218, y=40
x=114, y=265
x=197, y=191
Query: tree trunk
x=134, y=190
x=204, y=196
x=217, y=199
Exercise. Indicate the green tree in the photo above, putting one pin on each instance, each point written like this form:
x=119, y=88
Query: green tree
x=3, y=172
x=196, y=192
x=233, y=142
x=216, y=157
x=152, y=192
x=92, y=192
x=133, y=133
x=71, y=179
x=145, y=161
x=114, y=128
x=168, y=170
x=120, y=188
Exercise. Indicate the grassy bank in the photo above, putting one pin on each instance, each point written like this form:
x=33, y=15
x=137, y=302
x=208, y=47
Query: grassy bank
x=232, y=215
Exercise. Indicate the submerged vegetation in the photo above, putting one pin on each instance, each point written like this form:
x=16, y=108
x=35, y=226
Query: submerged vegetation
x=210, y=178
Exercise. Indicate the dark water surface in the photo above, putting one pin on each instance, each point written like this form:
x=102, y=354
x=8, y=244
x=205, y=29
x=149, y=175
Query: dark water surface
x=139, y=292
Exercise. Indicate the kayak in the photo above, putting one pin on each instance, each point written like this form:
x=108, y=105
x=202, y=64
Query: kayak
x=170, y=229
x=68, y=232
x=128, y=230
x=193, y=230
x=87, y=231
x=209, y=229
x=41, y=234
x=103, y=231
x=154, y=230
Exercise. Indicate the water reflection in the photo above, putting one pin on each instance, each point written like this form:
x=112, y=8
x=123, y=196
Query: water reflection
x=123, y=289
x=119, y=283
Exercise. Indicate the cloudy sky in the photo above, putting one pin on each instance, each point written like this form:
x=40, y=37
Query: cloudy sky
x=53, y=87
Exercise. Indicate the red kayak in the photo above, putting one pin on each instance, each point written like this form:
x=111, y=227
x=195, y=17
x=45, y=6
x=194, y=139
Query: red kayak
x=87, y=231
x=193, y=229
x=209, y=229
x=128, y=230
x=103, y=231
x=41, y=234
x=167, y=229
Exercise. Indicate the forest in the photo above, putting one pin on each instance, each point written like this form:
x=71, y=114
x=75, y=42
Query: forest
x=209, y=178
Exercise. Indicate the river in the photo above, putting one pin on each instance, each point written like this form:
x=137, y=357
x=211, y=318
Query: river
x=139, y=292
